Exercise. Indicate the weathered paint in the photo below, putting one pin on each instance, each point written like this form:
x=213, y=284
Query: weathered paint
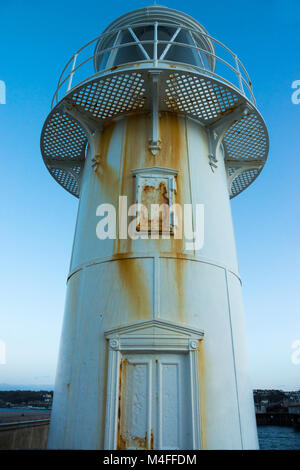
x=116, y=282
x=137, y=155
x=201, y=363
x=139, y=442
x=107, y=175
x=133, y=279
x=153, y=194
x=121, y=444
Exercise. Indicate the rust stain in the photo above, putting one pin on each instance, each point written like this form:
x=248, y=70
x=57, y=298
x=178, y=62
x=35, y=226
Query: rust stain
x=171, y=136
x=135, y=441
x=133, y=157
x=140, y=442
x=136, y=140
x=202, y=397
x=102, y=385
x=151, y=440
x=107, y=175
x=152, y=195
x=121, y=442
x=155, y=196
x=163, y=192
x=137, y=288
x=120, y=66
x=173, y=145
x=119, y=406
x=179, y=279
x=172, y=154
x=175, y=278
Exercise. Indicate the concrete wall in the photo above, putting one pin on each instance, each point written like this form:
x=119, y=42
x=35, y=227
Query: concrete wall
x=25, y=435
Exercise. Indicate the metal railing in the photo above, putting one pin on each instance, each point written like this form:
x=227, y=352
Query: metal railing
x=217, y=60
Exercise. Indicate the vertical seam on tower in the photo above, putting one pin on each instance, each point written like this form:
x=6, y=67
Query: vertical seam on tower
x=189, y=170
x=156, y=286
x=76, y=353
x=77, y=217
x=233, y=353
x=121, y=177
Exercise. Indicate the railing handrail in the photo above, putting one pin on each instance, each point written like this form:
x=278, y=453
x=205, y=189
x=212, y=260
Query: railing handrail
x=238, y=68
x=193, y=67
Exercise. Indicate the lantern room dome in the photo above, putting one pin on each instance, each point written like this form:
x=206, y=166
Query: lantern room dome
x=142, y=25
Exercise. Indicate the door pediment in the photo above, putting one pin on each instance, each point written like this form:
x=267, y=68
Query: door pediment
x=154, y=335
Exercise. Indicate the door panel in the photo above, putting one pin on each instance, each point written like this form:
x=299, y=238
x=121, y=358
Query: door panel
x=155, y=402
x=135, y=402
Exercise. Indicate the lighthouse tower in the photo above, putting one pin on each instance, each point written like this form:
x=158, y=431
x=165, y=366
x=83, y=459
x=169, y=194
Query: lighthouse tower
x=153, y=352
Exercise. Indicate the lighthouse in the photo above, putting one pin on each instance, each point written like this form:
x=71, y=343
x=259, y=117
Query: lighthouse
x=154, y=113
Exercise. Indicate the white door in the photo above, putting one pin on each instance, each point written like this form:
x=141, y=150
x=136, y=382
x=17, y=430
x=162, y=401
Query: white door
x=155, y=402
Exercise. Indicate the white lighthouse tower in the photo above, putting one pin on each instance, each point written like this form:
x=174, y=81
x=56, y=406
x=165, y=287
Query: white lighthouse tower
x=153, y=351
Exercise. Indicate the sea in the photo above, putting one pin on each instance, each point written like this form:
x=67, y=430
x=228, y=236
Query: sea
x=278, y=438
x=22, y=409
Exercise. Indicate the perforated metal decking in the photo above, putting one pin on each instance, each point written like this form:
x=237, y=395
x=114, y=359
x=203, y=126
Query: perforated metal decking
x=188, y=93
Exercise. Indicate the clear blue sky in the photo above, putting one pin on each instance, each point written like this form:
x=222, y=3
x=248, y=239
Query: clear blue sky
x=38, y=216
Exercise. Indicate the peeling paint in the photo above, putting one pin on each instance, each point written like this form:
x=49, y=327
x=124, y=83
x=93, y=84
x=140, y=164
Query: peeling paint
x=123, y=441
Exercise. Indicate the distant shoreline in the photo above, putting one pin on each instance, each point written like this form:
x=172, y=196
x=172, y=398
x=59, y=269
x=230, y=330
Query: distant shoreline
x=24, y=408
x=13, y=415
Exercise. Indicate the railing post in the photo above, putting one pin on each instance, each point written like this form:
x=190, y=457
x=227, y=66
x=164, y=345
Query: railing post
x=197, y=50
x=154, y=142
x=72, y=72
x=155, y=45
x=238, y=73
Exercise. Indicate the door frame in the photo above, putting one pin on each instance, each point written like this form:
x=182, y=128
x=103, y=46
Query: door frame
x=157, y=336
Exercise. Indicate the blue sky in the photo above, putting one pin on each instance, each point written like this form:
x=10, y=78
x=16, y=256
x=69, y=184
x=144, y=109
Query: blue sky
x=38, y=216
